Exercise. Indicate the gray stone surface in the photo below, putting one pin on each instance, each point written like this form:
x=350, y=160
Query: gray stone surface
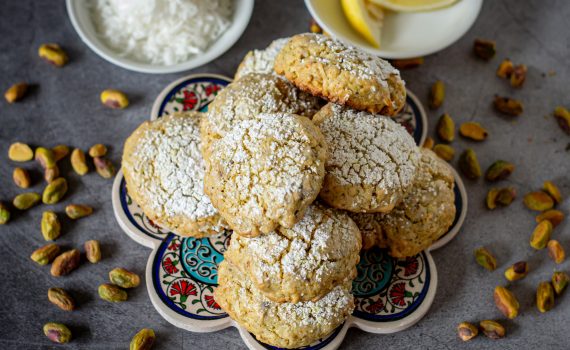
x=64, y=108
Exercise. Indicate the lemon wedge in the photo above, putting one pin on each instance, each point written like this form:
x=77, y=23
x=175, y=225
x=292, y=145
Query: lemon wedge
x=366, y=18
x=413, y=5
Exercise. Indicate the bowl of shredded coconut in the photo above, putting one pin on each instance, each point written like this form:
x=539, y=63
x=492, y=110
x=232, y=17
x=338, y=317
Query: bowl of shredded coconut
x=159, y=36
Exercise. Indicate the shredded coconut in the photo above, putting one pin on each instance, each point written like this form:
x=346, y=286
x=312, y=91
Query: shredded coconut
x=163, y=32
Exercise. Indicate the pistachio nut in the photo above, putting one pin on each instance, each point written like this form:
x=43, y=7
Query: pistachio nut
x=20, y=152
x=104, y=167
x=55, y=191
x=554, y=216
x=492, y=329
x=60, y=152
x=518, y=76
x=114, y=99
x=505, y=69
x=16, y=92
x=314, y=27
x=53, y=54
x=484, y=49
x=124, y=278
x=445, y=152
x=21, y=178
x=562, y=116
x=556, y=251
x=467, y=331
x=544, y=297
x=78, y=162
x=560, y=281
x=541, y=235
x=51, y=174
x=27, y=200
x=491, y=199
x=51, y=227
x=437, y=94
x=65, y=263
x=143, y=340
x=45, y=254
x=4, y=214
x=93, y=251
x=538, y=200
x=473, y=131
x=469, y=164
x=45, y=157
x=57, y=332
x=517, y=271
x=506, y=196
x=407, y=63
x=508, y=106
x=60, y=298
x=428, y=143
x=499, y=170
x=446, y=128
x=506, y=302
x=78, y=211
x=98, y=150
x=485, y=258
x=112, y=293
x=553, y=190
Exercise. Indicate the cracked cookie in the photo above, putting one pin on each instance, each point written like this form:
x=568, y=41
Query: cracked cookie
x=284, y=325
x=265, y=172
x=425, y=214
x=341, y=74
x=372, y=162
x=164, y=171
x=302, y=263
x=246, y=98
x=260, y=61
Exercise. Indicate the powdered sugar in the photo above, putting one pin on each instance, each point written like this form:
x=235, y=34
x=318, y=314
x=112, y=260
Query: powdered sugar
x=357, y=62
x=170, y=168
x=261, y=61
x=266, y=171
x=368, y=149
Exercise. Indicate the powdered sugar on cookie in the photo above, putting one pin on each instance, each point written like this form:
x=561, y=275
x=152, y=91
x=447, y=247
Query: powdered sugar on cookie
x=261, y=61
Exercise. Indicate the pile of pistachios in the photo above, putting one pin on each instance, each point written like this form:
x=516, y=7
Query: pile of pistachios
x=543, y=201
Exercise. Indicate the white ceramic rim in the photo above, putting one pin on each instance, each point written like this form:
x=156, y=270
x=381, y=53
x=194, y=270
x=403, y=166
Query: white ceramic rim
x=160, y=98
x=396, y=54
x=457, y=227
x=232, y=33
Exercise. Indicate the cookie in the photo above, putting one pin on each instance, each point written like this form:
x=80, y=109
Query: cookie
x=302, y=263
x=260, y=61
x=283, y=325
x=372, y=162
x=424, y=215
x=265, y=172
x=246, y=98
x=342, y=74
x=164, y=172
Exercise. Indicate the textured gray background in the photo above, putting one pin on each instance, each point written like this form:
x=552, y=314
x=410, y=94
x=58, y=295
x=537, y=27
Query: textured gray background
x=64, y=108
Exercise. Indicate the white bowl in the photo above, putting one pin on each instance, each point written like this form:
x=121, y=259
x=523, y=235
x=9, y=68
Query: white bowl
x=80, y=18
x=405, y=34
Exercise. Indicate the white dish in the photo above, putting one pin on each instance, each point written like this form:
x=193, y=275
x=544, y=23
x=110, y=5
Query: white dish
x=78, y=12
x=405, y=34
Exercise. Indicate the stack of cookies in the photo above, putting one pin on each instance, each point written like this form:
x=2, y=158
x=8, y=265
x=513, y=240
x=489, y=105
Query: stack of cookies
x=300, y=157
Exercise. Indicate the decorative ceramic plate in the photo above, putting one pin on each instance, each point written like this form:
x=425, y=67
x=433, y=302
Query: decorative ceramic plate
x=181, y=275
